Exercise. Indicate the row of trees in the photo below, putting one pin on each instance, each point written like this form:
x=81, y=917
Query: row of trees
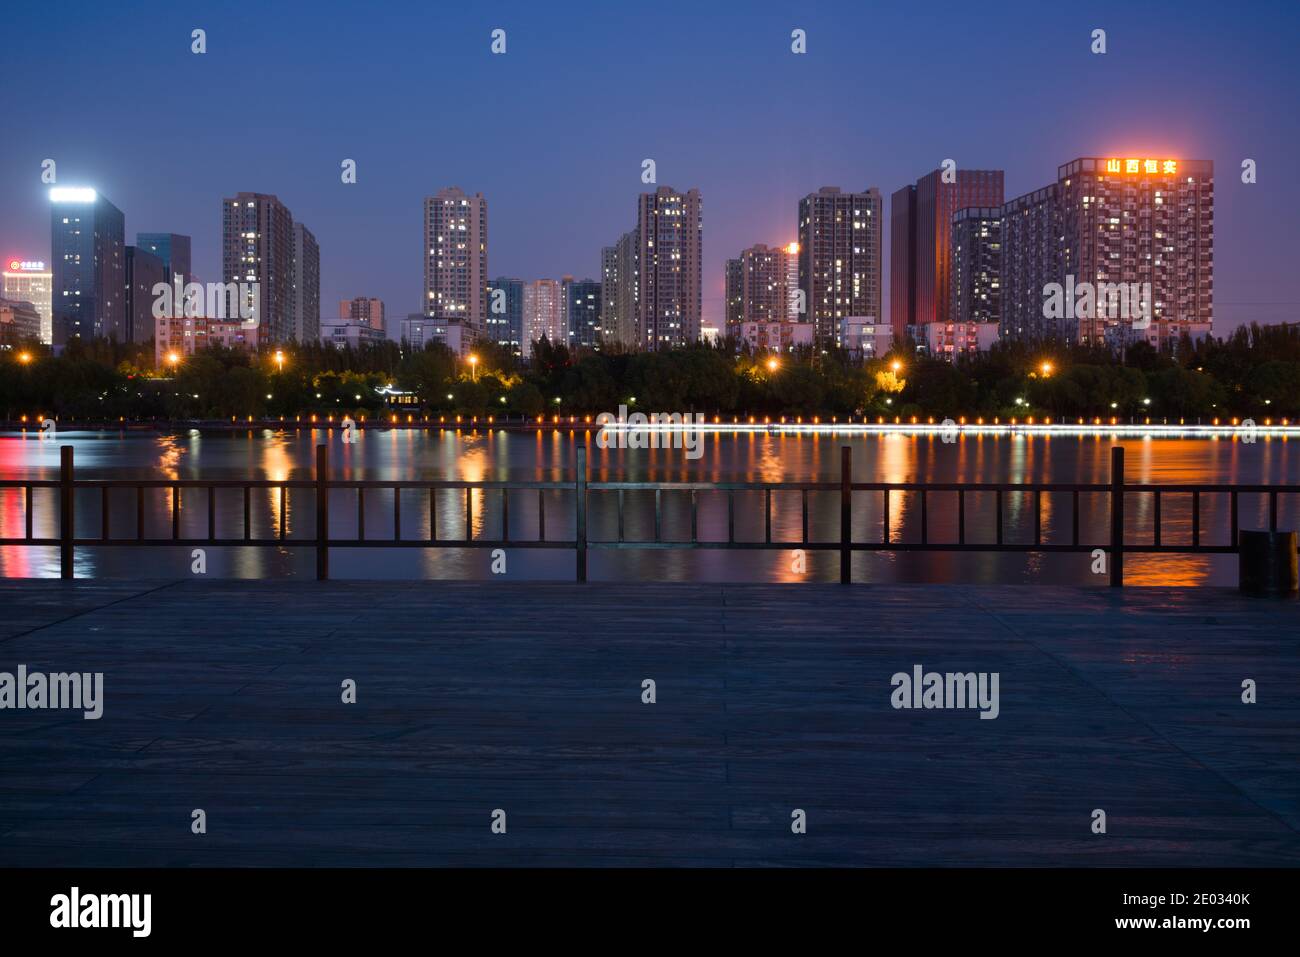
x=1254, y=372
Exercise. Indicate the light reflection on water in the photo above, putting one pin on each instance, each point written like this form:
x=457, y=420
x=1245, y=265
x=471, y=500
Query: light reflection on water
x=549, y=455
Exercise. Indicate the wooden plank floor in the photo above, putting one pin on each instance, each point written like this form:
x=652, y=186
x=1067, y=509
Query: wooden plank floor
x=225, y=695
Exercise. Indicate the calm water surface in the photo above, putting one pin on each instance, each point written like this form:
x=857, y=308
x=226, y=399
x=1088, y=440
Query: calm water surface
x=498, y=456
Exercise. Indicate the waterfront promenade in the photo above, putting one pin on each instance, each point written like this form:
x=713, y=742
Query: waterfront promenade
x=472, y=697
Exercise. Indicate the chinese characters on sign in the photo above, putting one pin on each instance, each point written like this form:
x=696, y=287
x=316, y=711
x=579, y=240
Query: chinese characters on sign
x=1149, y=167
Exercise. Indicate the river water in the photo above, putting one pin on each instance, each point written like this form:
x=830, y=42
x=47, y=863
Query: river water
x=550, y=455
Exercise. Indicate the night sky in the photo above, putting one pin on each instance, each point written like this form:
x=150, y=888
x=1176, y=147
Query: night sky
x=553, y=133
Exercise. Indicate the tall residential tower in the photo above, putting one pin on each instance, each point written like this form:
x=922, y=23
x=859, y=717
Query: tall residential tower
x=839, y=258
x=456, y=261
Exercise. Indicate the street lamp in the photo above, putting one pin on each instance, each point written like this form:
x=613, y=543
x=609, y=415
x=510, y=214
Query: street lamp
x=24, y=357
x=773, y=364
x=1046, y=369
x=279, y=361
x=173, y=359
x=473, y=365
x=896, y=366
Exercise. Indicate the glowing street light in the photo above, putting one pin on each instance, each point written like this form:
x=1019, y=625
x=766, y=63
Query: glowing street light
x=24, y=357
x=1045, y=369
x=279, y=361
x=473, y=365
x=896, y=366
x=173, y=359
x=773, y=364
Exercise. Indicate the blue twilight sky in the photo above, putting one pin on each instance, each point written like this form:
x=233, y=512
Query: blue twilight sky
x=553, y=133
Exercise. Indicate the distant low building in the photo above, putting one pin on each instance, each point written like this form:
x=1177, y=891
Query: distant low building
x=866, y=338
x=948, y=339
x=182, y=336
x=777, y=336
x=19, y=321
x=419, y=330
x=1121, y=336
x=352, y=332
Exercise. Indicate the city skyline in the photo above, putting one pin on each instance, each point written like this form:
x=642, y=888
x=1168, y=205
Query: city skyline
x=750, y=170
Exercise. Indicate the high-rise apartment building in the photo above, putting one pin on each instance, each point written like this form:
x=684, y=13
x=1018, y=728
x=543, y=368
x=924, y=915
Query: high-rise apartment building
x=456, y=260
x=921, y=218
x=609, y=285
x=258, y=244
x=669, y=253
x=582, y=302
x=1113, y=223
x=306, y=285
x=936, y=202
x=839, y=257
x=733, y=279
x=629, y=290
x=1032, y=246
x=30, y=280
x=902, y=261
x=976, y=266
x=619, y=285
x=759, y=282
x=1141, y=220
x=543, y=314
x=88, y=256
x=144, y=271
x=505, y=321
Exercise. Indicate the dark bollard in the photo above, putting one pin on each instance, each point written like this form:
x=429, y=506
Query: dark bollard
x=1268, y=565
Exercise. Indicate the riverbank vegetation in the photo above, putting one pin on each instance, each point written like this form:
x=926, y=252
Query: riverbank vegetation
x=1255, y=372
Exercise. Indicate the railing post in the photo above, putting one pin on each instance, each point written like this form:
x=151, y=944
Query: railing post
x=1117, y=516
x=581, y=529
x=322, y=513
x=67, y=530
x=846, y=506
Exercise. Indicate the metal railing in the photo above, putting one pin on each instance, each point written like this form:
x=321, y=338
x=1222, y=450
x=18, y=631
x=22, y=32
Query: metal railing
x=322, y=485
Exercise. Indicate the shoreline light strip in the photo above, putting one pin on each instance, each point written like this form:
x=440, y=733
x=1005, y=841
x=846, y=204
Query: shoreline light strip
x=968, y=429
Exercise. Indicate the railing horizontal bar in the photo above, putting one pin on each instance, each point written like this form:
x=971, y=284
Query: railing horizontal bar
x=712, y=486
x=304, y=542
x=420, y=483
x=666, y=486
x=561, y=544
x=186, y=483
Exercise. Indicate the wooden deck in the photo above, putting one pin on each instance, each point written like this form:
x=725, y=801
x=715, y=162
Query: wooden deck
x=225, y=696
